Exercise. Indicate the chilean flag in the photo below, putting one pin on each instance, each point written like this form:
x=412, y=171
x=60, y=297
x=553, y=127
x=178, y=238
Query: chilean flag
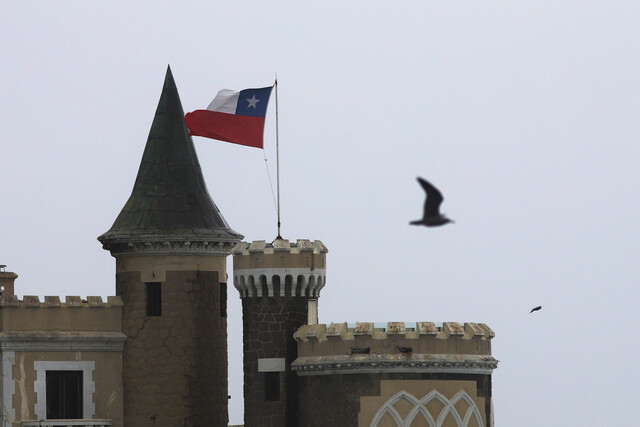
x=232, y=116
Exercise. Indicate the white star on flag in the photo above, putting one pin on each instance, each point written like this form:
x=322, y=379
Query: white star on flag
x=253, y=101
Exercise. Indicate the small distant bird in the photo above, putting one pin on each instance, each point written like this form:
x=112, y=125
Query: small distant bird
x=431, y=216
x=535, y=309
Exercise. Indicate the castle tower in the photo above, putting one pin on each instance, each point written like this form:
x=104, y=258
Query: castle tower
x=170, y=243
x=394, y=374
x=279, y=284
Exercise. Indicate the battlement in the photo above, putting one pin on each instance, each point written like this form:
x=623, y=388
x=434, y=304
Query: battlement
x=54, y=301
x=279, y=246
x=76, y=313
x=410, y=347
x=279, y=268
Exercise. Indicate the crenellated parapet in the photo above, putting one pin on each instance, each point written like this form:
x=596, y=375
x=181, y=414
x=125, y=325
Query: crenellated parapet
x=33, y=301
x=78, y=324
x=75, y=314
x=280, y=268
x=397, y=347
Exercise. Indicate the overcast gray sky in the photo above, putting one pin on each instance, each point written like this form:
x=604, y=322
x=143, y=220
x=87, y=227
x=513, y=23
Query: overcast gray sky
x=525, y=115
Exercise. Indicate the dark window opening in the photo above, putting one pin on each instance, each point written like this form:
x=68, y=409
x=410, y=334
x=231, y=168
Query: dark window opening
x=272, y=386
x=64, y=395
x=223, y=300
x=154, y=299
x=360, y=350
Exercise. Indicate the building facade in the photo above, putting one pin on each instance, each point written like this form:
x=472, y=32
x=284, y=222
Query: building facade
x=60, y=360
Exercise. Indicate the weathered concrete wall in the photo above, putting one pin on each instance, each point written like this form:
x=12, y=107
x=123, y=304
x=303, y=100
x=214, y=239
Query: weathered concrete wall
x=268, y=326
x=79, y=334
x=175, y=365
x=107, y=376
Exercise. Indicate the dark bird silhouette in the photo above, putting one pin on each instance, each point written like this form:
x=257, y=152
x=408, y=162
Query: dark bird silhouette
x=431, y=216
x=535, y=309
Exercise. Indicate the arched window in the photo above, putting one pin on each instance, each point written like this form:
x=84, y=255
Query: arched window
x=288, y=284
x=446, y=409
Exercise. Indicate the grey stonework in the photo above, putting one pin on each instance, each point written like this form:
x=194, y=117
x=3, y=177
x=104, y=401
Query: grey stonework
x=341, y=393
x=268, y=326
x=175, y=365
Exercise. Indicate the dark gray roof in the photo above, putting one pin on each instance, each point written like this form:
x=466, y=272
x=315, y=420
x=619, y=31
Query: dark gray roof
x=169, y=200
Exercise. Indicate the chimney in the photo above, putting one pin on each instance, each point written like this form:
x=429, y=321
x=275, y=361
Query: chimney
x=7, y=280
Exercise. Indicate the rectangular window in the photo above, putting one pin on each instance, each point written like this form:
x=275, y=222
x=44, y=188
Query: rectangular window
x=64, y=395
x=154, y=299
x=272, y=386
x=223, y=300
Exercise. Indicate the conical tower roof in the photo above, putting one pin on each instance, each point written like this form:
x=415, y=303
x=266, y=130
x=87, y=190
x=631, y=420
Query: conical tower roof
x=169, y=207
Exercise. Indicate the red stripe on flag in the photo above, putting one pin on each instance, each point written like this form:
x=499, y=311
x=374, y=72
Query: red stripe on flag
x=243, y=130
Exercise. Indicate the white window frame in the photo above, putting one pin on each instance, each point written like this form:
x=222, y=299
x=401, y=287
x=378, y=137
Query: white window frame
x=88, y=385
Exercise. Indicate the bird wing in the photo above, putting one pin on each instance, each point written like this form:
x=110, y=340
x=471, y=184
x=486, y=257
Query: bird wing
x=434, y=198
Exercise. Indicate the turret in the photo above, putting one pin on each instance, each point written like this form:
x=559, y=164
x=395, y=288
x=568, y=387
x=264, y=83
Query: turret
x=170, y=243
x=279, y=284
x=395, y=373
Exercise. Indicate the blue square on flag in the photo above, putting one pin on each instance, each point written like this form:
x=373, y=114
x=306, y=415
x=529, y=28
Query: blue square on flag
x=233, y=116
x=253, y=102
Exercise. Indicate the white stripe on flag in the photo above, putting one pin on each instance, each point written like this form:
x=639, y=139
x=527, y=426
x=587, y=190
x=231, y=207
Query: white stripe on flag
x=226, y=101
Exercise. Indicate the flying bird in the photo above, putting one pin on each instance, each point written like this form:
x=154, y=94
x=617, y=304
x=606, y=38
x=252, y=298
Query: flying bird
x=431, y=216
x=535, y=309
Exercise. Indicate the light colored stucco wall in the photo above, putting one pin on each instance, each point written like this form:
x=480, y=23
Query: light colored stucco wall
x=106, y=375
x=78, y=334
x=153, y=268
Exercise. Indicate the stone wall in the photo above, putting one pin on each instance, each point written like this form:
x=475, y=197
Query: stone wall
x=268, y=325
x=175, y=365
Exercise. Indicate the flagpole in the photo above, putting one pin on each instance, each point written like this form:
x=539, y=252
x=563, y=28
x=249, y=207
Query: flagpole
x=277, y=159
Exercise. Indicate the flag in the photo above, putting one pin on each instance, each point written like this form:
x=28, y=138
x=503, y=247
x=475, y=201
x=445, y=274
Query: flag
x=232, y=116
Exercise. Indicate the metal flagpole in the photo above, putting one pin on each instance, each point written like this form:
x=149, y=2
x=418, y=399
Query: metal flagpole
x=277, y=159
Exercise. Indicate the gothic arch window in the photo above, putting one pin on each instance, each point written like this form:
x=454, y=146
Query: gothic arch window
x=312, y=286
x=288, y=284
x=243, y=286
x=277, y=286
x=321, y=283
x=262, y=286
x=301, y=287
x=448, y=409
x=252, y=287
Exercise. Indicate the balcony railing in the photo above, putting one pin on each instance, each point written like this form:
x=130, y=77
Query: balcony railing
x=66, y=423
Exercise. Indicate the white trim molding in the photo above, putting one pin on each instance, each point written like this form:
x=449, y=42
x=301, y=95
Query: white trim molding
x=62, y=341
x=271, y=365
x=420, y=408
x=394, y=363
x=305, y=282
x=88, y=385
x=8, y=385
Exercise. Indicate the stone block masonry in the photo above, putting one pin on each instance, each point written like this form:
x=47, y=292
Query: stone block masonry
x=267, y=326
